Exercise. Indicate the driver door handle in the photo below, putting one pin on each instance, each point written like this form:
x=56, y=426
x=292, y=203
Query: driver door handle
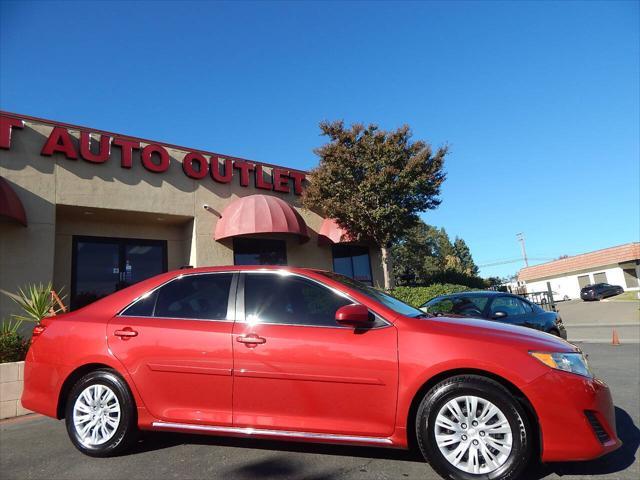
x=125, y=333
x=251, y=340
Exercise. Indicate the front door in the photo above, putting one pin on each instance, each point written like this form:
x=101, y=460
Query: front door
x=101, y=266
x=176, y=345
x=296, y=369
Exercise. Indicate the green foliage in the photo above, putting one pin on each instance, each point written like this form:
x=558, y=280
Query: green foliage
x=13, y=348
x=417, y=296
x=374, y=182
x=425, y=255
x=36, y=302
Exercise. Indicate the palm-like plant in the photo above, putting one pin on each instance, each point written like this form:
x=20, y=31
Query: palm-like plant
x=36, y=302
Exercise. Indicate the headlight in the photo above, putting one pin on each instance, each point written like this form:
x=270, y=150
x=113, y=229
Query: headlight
x=568, y=362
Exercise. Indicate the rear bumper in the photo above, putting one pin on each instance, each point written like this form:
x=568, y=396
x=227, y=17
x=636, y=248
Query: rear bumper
x=576, y=416
x=42, y=384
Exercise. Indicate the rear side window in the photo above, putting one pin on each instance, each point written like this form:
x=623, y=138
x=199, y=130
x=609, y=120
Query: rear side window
x=291, y=300
x=202, y=297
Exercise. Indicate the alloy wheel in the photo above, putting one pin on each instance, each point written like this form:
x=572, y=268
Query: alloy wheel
x=96, y=415
x=473, y=434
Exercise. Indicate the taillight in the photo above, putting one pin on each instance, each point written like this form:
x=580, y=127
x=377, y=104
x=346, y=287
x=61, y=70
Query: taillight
x=37, y=331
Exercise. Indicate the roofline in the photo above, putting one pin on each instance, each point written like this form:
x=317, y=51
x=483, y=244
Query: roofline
x=140, y=139
x=533, y=268
x=577, y=255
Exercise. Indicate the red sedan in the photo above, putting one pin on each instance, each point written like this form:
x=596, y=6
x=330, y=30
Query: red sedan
x=306, y=355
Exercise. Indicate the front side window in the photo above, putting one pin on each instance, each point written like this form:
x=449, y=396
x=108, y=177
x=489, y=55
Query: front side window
x=353, y=262
x=203, y=297
x=258, y=251
x=509, y=305
x=291, y=300
x=377, y=295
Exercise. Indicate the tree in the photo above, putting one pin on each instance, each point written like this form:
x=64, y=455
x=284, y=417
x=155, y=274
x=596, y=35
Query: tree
x=462, y=252
x=415, y=255
x=374, y=182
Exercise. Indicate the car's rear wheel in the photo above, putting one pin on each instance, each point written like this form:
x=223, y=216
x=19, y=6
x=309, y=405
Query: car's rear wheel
x=471, y=427
x=100, y=414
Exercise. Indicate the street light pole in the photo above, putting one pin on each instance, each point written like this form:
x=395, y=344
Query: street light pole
x=520, y=237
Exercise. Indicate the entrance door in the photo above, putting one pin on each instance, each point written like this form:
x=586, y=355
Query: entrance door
x=296, y=369
x=101, y=266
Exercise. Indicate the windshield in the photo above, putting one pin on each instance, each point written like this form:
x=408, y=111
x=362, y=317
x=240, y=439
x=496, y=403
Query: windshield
x=374, y=294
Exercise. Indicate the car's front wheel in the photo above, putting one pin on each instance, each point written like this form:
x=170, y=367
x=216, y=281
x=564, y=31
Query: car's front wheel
x=100, y=414
x=470, y=427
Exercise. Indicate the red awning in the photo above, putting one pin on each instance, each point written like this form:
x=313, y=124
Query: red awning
x=331, y=232
x=10, y=204
x=260, y=214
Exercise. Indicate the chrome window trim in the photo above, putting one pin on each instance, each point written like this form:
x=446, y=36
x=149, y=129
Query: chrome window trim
x=230, y=304
x=240, y=311
x=250, y=431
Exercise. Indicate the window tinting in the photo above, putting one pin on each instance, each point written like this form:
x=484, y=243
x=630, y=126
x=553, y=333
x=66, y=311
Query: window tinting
x=143, y=307
x=510, y=305
x=352, y=261
x=259, y=251
x=272, y=298
x=466, y=306
x=203, y=297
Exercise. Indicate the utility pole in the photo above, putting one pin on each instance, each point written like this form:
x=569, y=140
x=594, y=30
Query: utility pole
x=520, y=237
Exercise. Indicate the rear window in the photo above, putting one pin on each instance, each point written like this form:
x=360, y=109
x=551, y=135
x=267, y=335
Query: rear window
x=200, y=297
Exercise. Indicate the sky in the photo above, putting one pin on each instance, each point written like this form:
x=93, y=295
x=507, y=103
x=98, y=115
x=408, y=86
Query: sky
x=537, y=101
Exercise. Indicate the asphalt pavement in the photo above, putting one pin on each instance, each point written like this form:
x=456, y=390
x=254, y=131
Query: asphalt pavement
x=36, y=447
x=595, y=321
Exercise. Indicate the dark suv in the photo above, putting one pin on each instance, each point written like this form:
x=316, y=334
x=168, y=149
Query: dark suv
x=598, y=291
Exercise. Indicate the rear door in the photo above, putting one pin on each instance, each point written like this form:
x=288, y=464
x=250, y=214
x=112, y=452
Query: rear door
x=175, y=342
x=296, y=369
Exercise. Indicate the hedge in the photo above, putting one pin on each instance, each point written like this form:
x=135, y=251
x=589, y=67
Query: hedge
x=417, y=296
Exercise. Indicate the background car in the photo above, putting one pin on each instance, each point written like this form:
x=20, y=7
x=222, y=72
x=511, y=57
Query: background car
x=598, y=291
x=498, y=306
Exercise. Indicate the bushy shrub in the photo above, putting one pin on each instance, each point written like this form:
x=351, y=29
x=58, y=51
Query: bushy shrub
x=417, y=296
x=13, y=348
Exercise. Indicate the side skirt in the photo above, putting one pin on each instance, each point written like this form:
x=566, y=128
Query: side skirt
x=257, y=432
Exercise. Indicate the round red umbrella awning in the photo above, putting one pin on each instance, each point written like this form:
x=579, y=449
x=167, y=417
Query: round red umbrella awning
x=10, y=205
x=260, y=214
x=330, y=232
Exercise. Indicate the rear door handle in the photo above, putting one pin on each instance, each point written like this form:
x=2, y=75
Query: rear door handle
x=251, y=340
x=126, y=333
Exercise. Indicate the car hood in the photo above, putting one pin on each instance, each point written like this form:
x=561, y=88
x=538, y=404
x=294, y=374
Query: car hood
x=492, y=332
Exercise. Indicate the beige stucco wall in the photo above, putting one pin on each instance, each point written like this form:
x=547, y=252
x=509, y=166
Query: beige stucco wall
x=56, y=192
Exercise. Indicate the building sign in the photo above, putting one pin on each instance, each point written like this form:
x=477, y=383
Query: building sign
x=155, y=158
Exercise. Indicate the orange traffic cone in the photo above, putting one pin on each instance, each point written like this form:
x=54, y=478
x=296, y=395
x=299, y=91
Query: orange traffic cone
x=614, y=338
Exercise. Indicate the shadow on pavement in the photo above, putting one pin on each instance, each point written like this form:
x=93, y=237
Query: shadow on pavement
x=284, y=467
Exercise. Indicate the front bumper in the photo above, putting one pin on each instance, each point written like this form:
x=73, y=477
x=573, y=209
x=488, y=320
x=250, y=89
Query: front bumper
x=576, y=416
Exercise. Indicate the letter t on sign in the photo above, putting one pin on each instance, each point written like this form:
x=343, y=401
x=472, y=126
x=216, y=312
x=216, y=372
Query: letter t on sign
x=6, y=124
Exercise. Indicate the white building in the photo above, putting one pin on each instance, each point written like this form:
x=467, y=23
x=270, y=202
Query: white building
x=616, y=265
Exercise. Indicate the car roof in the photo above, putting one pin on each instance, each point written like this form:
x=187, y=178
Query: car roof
x=236, y=268
x=476, y=293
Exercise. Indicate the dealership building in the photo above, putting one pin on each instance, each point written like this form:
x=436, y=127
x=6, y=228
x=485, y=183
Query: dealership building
x=618, y=265
x=94, y=211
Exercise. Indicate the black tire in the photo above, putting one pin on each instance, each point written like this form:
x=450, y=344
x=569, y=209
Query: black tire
x=555, y=331
x=126, y=430
x=487, y=389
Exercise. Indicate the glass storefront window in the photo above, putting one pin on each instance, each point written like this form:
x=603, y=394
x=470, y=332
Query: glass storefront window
x=352, y=261
x=258, y=251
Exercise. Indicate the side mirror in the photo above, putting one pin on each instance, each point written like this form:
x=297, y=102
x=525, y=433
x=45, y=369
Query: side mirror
x=353, y=316
x=499, y=315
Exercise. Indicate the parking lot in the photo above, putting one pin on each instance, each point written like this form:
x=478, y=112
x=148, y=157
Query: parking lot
x=595, y=321
x=36, y=447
